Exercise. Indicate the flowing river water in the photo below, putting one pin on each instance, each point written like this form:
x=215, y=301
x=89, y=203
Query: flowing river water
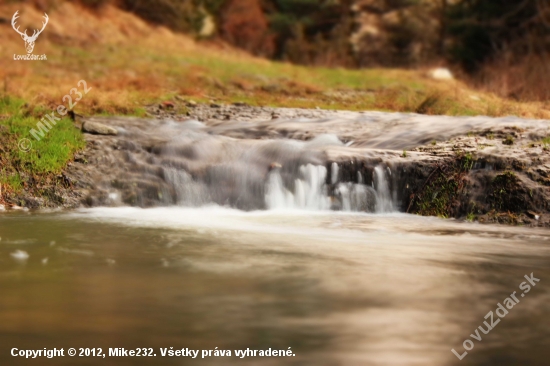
x=339, y=288
x=201, y=238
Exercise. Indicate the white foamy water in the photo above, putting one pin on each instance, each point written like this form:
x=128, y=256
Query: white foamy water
x=384, y=199
x=20, y=255
x=311, y=191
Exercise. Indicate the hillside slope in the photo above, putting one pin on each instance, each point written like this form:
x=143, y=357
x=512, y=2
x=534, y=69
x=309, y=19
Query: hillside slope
x=129, y=64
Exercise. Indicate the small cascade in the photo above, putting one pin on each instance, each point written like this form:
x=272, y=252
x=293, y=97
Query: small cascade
x=186, y=191
x=384, y=199
x=334, y=173
x=184, y=164
x=311, y=191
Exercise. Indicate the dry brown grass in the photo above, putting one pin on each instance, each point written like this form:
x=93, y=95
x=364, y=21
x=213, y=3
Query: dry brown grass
x=526, y=80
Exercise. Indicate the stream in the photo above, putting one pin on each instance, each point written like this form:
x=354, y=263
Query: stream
x=284, y=235
x=339, y=288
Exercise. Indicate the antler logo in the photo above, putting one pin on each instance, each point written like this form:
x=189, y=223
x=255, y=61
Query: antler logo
x=29, y=41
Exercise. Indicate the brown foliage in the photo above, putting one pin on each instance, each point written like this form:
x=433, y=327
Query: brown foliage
x=244, y=25
x=97, y=4
x=183, y=16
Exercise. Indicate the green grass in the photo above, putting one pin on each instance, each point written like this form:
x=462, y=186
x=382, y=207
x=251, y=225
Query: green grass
x=47, y=156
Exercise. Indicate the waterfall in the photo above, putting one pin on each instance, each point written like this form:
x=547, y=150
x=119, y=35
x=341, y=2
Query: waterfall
x=184, y=164
x=384, y=201
x=311, y=192
x=186, y=192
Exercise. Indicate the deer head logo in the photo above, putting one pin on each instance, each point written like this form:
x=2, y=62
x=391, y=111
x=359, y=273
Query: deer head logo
x=29, y=41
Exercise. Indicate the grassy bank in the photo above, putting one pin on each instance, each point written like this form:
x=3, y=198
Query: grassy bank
x=129, y=64
x=25, y=162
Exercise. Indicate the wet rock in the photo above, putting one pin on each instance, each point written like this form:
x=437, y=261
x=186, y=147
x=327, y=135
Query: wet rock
x=508, y=140
x=158, y=162
x=98, y=128
x=275, y=165
x=167, y=105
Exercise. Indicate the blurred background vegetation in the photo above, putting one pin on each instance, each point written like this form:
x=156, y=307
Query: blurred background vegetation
x=500, y=45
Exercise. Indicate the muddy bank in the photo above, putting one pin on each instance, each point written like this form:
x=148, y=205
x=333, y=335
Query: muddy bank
x=477, y=168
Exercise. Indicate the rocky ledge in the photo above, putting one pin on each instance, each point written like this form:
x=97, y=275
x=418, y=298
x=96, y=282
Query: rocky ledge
x=474, y=168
